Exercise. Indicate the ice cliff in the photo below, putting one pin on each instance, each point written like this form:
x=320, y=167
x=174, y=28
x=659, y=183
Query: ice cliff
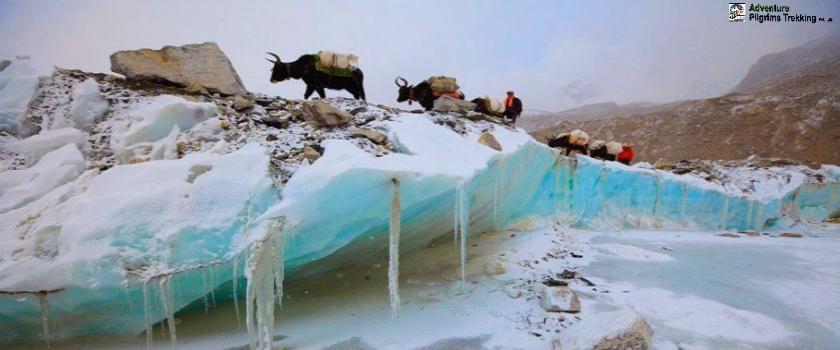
x=121, y=215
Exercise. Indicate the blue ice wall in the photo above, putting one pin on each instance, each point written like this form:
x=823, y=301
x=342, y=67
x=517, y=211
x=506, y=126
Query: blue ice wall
x=346, y=221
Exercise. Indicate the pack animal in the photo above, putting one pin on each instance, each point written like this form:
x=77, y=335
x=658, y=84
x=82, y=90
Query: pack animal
x=577, y=140
x=421, y=93
x=304, y=68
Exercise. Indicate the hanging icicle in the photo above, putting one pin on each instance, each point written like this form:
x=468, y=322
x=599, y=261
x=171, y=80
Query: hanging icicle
x=234, y=285
x=146, y=316
x=394, y=249
x=166, y=301
x=683, y=200
x=464, y=219
x=725, y=212
x=456, y=217
x=265, y=272
x=45, y=315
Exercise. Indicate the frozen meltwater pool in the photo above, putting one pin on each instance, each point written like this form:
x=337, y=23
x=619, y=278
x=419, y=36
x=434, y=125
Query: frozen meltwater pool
x=720, y=292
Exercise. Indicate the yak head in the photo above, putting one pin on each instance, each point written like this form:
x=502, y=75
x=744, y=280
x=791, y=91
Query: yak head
x=279, y=71
x=404, y=92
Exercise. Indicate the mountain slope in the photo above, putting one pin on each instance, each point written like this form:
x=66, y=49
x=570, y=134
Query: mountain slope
x=794, y=115
x=773, y=65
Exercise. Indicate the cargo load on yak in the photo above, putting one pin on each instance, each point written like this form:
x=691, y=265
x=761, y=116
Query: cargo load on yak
x=337, y=64
x=442, y=85
x=490, y=106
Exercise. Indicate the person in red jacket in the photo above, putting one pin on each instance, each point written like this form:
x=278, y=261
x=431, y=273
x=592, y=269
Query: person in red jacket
x=626, y=154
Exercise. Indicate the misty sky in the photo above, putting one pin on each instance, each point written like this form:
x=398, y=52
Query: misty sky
x=555, y=54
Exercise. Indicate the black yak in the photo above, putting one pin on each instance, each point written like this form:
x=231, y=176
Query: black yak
x=316, y=80
x=422, y=93
x=577, y=140
x=604, y=150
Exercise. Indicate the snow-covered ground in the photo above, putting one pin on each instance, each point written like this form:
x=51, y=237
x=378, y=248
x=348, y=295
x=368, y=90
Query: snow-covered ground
x=698, y=290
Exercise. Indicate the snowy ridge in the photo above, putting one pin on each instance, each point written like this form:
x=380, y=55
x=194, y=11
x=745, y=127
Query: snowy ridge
x=121, y=246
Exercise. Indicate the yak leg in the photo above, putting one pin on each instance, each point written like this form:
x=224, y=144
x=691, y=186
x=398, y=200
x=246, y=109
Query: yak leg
x=359, y=91
x=309, y=91
x=321, y=92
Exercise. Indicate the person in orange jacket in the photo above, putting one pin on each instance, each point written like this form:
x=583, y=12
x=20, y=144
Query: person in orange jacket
x=626, y=154
x=513, y=107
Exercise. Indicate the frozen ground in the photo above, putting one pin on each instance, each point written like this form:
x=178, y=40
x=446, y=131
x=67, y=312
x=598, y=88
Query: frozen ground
x=698, y=290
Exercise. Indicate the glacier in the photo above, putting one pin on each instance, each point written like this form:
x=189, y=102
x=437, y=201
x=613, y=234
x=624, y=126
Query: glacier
x=115, y=251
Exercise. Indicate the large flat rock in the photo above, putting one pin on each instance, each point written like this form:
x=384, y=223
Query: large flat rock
x=199, y=64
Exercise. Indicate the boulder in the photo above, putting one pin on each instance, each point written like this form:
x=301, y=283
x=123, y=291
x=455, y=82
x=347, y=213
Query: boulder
x=373, y=135
x=203, y=65
x=448, y=104
x=322, y=114
x=791, y=235
x=242, y=103
x=614, y=330
x=195, y=89
x=4, y=64
x=560, y=299
x=311, y=154
x=489, y=140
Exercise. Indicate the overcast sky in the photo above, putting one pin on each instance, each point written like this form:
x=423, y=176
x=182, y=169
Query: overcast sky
x=554, y=54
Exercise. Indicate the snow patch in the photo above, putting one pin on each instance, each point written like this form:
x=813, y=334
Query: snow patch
x=20, y=187
x=17, y=85
x=34, y=147
x=155, y=119
x=88, y=104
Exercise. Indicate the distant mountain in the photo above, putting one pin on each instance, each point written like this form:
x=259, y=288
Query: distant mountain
x=794, y=114
x=596, y=111
x=773, y=65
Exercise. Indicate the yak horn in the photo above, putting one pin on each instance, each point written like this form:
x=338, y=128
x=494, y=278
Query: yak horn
x=399, y=79
x=275, y=56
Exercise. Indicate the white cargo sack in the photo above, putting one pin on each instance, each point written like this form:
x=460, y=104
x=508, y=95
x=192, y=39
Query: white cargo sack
x=579, y=137
x=614, y=148
x=494, y=105
x=597, y=144
x=332, y=59
x=442, y=84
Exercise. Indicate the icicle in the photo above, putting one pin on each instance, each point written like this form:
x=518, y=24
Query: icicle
x=168, y=308
x=265, y=272
x=146, y=316
x=456, y=217
x=683, y=200
x=725, y=211
x=213, y=285
x=235, y=282
x=758, y=217
x=749, y=215
x=571, y=187
x=394, y=250
x=464, y=219
x=658, y=195
x=204, y=287
x=496, y=199
x=45, y=315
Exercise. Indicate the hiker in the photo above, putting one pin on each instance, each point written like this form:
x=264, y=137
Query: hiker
x=577, y=140
x=626, y=155
x=513, y=107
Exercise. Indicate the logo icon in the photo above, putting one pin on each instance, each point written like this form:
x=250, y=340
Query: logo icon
x=737, y=11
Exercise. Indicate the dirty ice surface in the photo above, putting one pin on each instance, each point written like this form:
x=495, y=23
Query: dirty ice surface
x=698, y=290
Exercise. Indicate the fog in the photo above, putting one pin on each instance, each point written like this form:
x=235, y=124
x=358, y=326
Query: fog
x=554, y=55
